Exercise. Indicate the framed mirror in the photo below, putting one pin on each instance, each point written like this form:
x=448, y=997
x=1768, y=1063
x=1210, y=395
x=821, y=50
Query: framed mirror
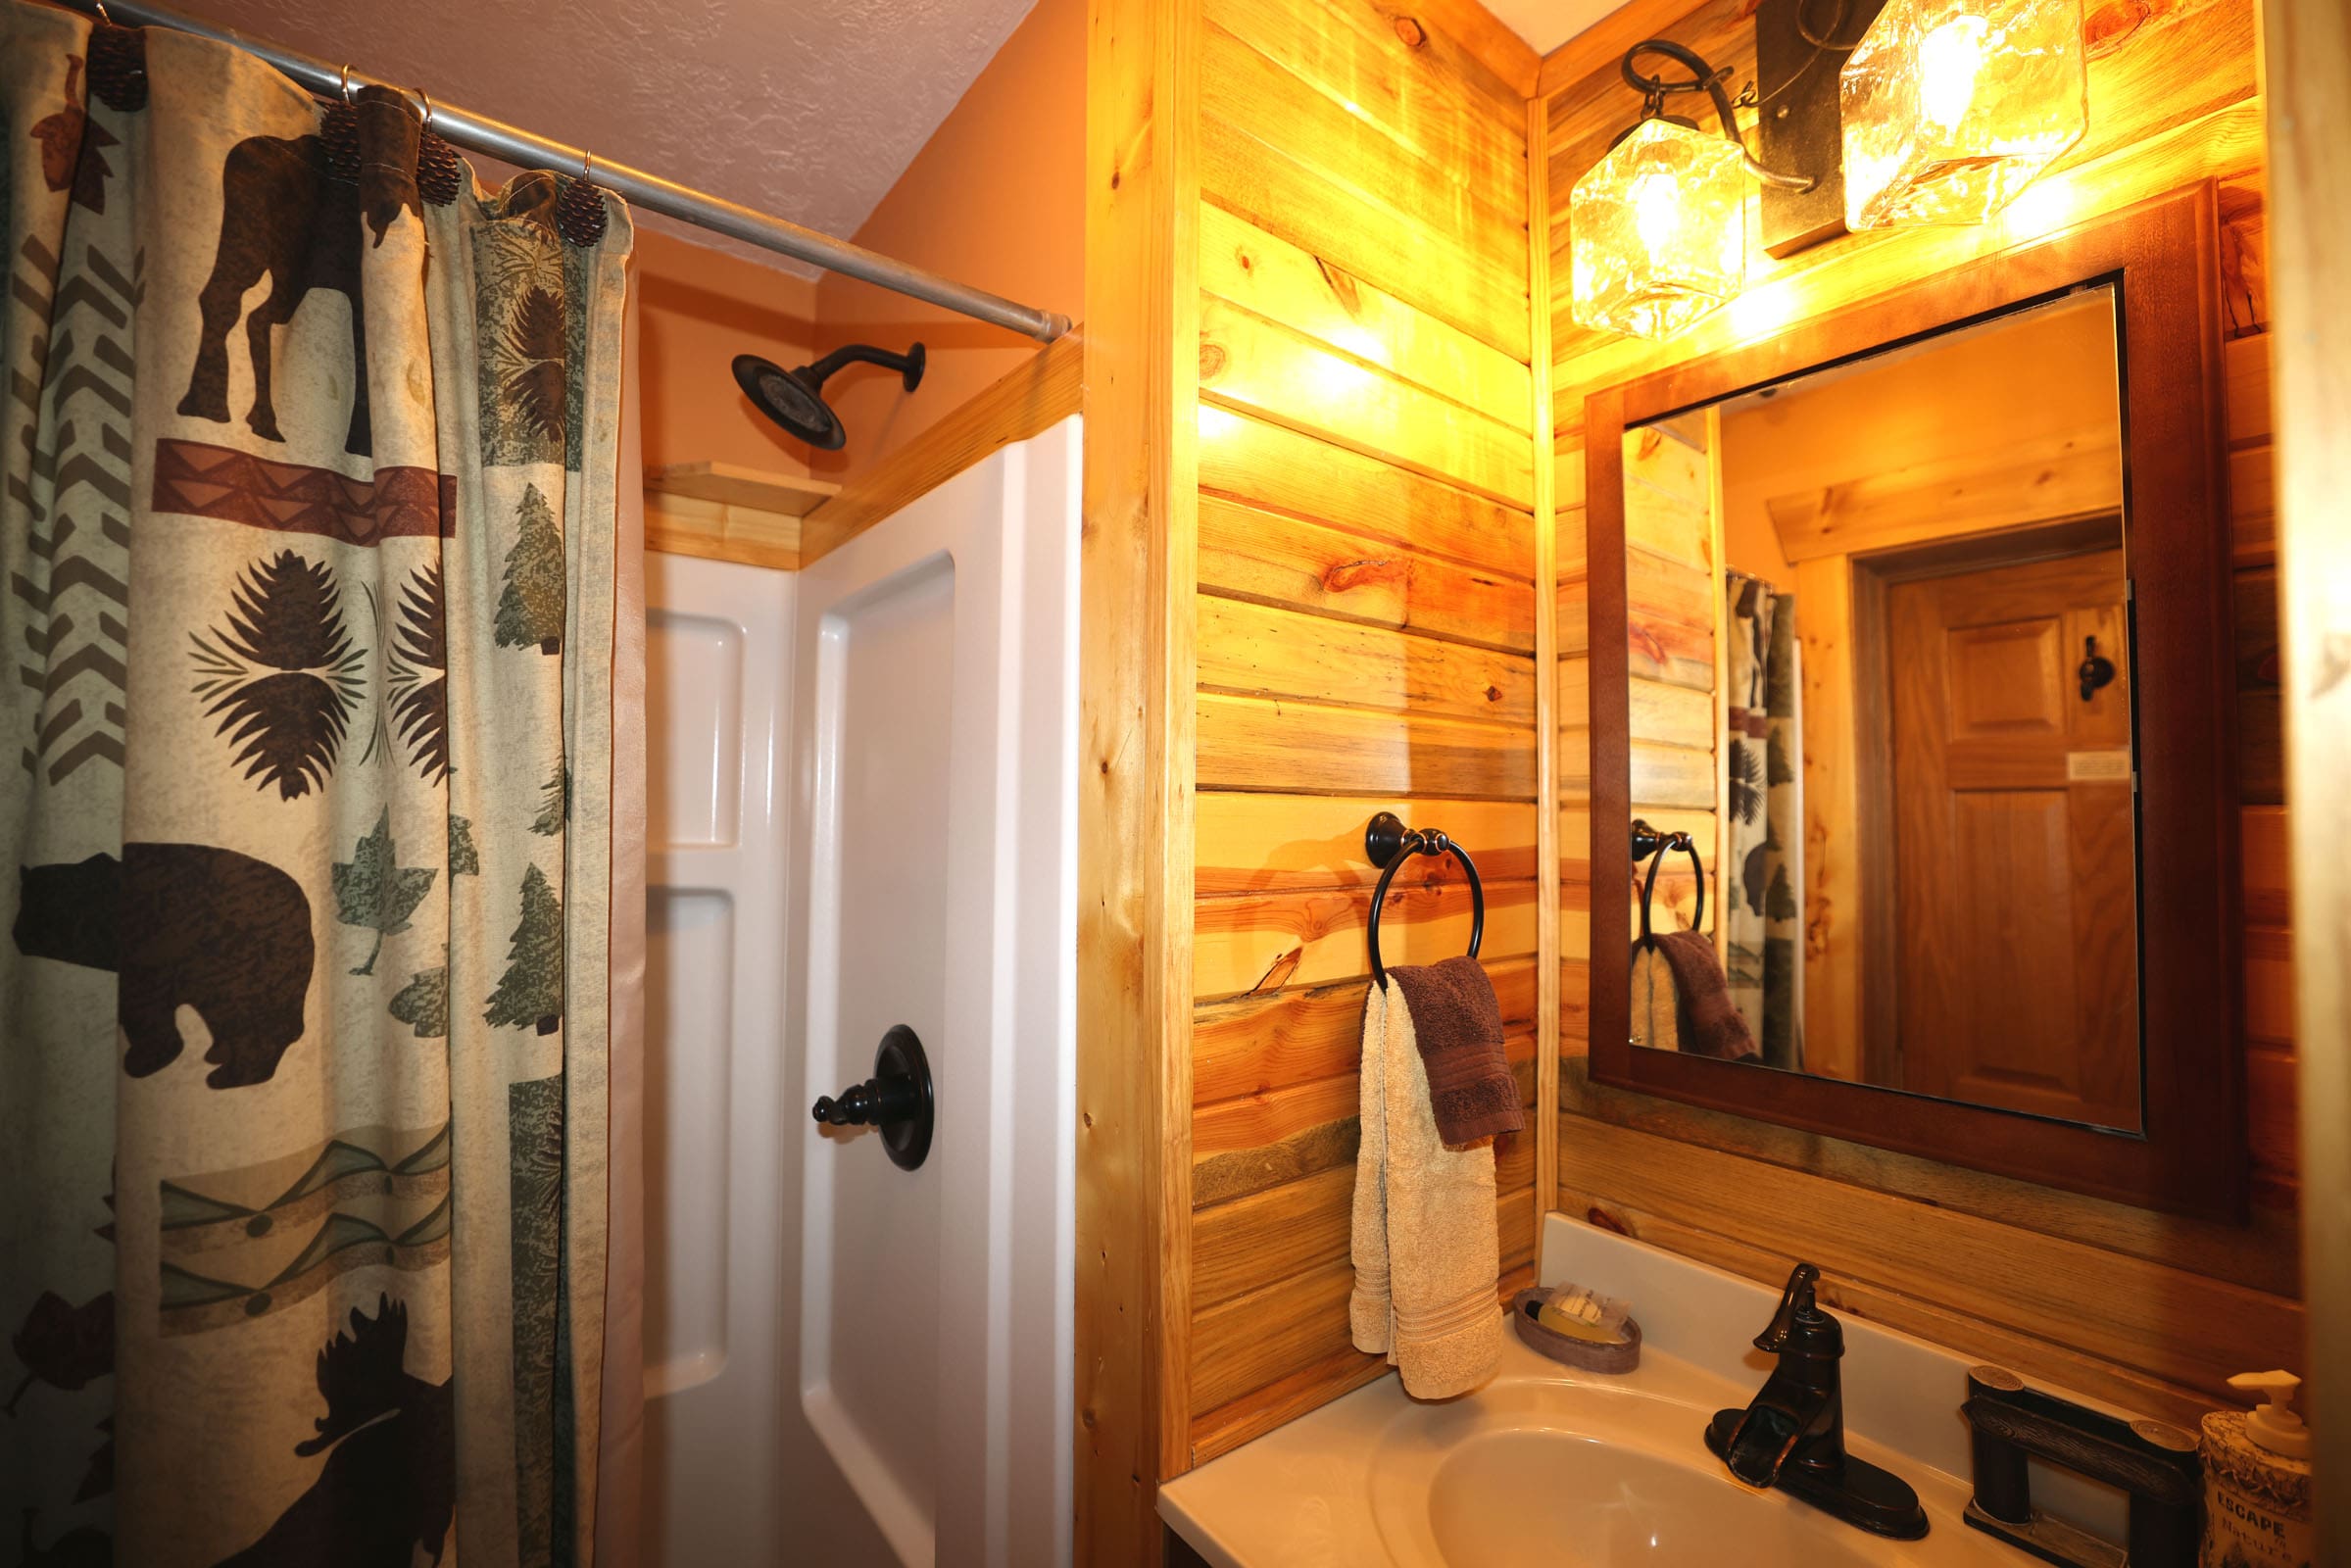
x=1911, y=724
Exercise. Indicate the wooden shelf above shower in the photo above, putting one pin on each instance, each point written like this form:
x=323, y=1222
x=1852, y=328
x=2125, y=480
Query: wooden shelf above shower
x=734, y=485
x=726, y=511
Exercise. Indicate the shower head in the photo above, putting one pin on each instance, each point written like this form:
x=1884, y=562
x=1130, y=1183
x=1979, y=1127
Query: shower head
x=795, y=399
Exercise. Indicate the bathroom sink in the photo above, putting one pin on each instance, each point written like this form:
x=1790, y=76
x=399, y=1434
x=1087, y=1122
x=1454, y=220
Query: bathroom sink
x=1543, y=1465
x=1568, y=1499
x=1593, y=1477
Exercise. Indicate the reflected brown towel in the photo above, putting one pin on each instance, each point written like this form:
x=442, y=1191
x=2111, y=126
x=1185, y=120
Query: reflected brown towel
x=1711, y=1025
x=1457, y=1022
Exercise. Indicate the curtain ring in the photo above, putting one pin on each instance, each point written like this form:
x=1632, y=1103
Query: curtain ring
x=101, y=12
x=346, y=83
x=587, y=166
x=428, y=98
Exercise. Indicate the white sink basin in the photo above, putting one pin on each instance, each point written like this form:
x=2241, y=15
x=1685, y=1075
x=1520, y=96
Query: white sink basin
x=1542, y=1466
x=1588, y=1477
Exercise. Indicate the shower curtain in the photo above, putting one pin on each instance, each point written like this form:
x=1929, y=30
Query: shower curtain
x=1760, y=908
x=308, y=491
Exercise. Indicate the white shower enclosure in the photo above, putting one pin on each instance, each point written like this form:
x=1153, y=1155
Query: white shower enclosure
x=864, y=801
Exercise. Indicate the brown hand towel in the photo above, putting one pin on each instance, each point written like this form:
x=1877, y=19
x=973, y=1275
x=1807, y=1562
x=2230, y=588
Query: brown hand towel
x=1424, y=1246
x=1711, y=1025
x=1457, y=1023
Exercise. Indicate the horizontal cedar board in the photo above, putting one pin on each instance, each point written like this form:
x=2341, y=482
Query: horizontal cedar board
x=1294, y=1393
x=1667, y=526
x=1282, y=470
x=1256, y=366
x=1260, y=1121
x=1254, y=650
x=1669, y=620
x=1247, y=842
x=1247, y=742
x=1572, y=698
x=1670, y=716
x=2246, y=361
x=1280, y=192
x=1273, y=1322
x=1861, y=266
x=2067, y=474
x=2253, y=505
x=2167, y=1323
x=1452, y=66
x=1672, y=775
x=1254, y=1045
x=1573, y=759
x=1257, y=1121
x=1572, y=607
x=1264, y=941
x=1284, y=283
x=1244, y=88
x=1273, y=557
x=1430, y=113
x=1768, y=1260
x=1251, y=1339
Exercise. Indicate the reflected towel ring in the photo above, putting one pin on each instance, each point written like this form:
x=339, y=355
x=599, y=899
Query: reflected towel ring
x=1648, y=841
x=1388, y=843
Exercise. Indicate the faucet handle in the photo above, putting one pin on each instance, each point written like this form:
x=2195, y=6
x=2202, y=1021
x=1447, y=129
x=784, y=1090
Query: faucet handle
x=1794, y=1302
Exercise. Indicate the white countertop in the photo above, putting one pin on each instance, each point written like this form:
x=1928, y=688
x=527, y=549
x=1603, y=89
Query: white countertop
x=1348, y=1486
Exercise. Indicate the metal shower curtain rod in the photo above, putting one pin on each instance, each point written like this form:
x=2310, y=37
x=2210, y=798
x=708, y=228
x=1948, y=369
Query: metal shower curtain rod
x=651, y=192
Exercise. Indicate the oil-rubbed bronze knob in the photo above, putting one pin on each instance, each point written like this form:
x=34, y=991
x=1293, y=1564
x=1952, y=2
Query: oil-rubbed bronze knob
x=896, y=1099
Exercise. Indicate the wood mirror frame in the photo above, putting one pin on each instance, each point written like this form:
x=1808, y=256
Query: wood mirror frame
x=2190, y=1155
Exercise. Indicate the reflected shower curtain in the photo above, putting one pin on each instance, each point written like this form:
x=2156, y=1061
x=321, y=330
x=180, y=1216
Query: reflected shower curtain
x=307, y=492
x=1761, y=914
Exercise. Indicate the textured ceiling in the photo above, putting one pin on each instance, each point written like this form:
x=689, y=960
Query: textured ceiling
x=806, y=109
x=1549, y=24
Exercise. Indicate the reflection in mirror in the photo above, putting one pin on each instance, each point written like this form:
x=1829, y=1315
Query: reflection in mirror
x=1880, y=709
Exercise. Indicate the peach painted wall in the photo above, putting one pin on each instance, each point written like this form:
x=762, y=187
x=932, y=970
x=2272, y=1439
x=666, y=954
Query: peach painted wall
x=700, y=309
x=995, y=199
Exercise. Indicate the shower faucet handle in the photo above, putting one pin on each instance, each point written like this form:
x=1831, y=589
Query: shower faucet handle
x=897, y=1099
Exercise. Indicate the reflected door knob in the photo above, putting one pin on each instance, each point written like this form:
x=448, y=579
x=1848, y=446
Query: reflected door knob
x=896, y=1099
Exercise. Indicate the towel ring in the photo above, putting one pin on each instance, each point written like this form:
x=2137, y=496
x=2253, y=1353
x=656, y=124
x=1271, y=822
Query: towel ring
x=1388, y=843
x=1646, y=839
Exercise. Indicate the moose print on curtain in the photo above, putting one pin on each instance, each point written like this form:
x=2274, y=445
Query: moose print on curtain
x=306, y=499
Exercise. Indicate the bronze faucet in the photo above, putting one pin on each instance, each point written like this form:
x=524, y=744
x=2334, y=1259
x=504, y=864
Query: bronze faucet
x=1793, y=1437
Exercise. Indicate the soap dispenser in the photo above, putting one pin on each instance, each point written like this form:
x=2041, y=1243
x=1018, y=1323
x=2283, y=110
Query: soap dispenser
x=2257, y=1479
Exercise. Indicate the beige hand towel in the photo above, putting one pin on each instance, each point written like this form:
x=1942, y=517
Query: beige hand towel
x=1425, y=1252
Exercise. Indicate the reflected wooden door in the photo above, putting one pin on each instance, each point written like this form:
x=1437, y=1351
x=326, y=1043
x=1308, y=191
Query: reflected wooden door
x=2018, y=978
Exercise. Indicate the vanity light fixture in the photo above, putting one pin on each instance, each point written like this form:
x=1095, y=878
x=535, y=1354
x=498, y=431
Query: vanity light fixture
x=1951, y=106
x=1657, y=229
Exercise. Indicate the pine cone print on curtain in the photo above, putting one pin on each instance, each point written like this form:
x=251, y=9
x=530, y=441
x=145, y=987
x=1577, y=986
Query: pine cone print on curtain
x=417, y=674
x=287, y=724
x=286, y=877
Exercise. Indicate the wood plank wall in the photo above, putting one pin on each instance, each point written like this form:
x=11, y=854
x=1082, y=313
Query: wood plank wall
x=2149, y=1311
x=1368, y=623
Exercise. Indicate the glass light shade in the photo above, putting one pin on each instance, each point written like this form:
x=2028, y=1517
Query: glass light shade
x=1657, y=231
x=1951, y=106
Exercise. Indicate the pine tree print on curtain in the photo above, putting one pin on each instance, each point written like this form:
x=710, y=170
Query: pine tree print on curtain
x=302, y=886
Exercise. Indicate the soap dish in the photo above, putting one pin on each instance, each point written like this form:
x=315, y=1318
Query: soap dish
x=1569, y=1351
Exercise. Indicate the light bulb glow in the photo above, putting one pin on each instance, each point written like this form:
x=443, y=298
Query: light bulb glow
x=1657, y=231
x=1950, y=57
x=1951, y=106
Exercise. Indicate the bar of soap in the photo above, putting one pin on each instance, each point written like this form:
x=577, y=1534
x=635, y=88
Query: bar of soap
x=1607, y=1341
x=1583, y=1314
